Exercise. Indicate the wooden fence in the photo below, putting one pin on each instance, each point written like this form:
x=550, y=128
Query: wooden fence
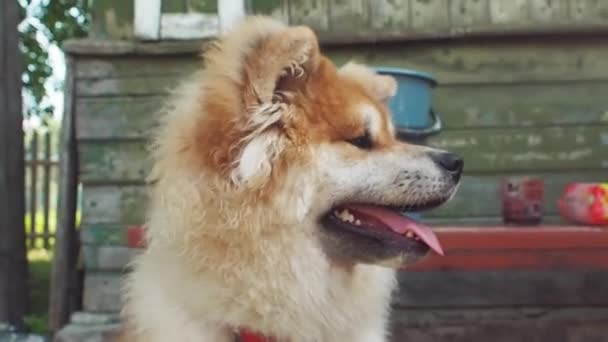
x=41, y=174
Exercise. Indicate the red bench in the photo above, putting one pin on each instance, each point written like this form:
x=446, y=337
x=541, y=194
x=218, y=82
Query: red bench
x=502, y=247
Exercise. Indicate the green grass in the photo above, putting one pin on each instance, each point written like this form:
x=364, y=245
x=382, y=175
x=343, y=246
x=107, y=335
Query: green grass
x=39, y=229
x=40, y=262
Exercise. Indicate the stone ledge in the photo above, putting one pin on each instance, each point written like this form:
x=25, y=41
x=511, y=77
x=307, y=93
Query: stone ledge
x=9, y=334
x=75, y=332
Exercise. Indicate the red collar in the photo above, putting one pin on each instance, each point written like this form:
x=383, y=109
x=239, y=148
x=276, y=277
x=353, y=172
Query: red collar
x=248, y=336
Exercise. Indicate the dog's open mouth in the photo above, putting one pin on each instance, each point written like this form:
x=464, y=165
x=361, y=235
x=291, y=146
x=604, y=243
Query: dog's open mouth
x=386, y=224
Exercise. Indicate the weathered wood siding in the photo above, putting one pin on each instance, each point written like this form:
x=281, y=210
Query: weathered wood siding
x=511, y=106
x=522, y=92
x=343, y=21
x=538, y=108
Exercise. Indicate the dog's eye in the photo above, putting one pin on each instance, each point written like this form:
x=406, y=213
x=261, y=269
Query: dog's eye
x=363, y=142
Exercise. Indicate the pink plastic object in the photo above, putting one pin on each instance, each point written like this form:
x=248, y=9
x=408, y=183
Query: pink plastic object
x=585, y=203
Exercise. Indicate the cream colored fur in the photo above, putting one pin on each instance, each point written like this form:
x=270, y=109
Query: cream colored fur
x=219, y=259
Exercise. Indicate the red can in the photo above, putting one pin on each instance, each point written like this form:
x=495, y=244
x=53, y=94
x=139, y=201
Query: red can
x=522, y=200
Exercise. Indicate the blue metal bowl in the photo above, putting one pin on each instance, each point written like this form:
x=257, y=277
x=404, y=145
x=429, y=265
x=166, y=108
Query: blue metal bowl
x=411, y=106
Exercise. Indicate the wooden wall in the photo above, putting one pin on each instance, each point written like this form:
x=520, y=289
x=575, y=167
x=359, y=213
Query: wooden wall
x=384, y=20
x=521, y=92
x=341, y=21
x=513, y=106
x=533, y=106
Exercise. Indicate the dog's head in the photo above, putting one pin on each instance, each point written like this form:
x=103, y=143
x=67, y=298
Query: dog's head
x=312, y=146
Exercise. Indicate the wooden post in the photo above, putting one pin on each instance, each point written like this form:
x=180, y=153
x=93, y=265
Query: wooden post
x=13, y=261
x=66, y=242
x=33, y=209
x=46, y=188
x=230, y=12
x=147, y=19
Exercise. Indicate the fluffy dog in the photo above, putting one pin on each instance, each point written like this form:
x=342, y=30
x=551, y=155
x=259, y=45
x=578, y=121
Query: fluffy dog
x=276, y=188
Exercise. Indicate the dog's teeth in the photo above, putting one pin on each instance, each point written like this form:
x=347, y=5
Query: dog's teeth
x=346, y=216
x=357, y=222
x=350, y=218
x=410, y=234
x=343, y=215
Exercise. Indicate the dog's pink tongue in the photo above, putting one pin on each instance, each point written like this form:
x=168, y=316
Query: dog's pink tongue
x=399, y=224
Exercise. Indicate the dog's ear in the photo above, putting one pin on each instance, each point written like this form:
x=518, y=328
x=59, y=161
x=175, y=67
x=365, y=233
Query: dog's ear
x=279, y=64
x=254, y=165
x=273, y=69
x=381, y=87
x=259, y=65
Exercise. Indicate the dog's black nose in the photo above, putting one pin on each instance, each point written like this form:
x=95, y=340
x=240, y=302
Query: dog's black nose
x=450, y=162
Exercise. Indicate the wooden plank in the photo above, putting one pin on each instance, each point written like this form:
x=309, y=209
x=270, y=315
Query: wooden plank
x=489, y=150
x=509, y=11
x=466, y=106
x=465, y=62
x=423, y=317
x=46, y=189
x=104, y=234
x=349, y=15
x=102, y=292
x=278, y=9
x=519, y=149
x=505, y=325
x=89, y=47
x=114, y=204
x=105, y=203
x=64, y=285
x=313, y=13
x=572, y=259
x=512, y=105
x=390, y=15
x=112, y=235
x=132, y=86
x=464, y=13
x=487, y=188
x=13, y=262
x=456, y=289
x=586, y=10
x=92, y=319
x=548, y=10
x=429, y=14
x=519, y=238
x=108, y=258
x=33, y=195
x=188, y=26
x=482, y=220
x=131, y=66
x=126, y=161
x=117, y=117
